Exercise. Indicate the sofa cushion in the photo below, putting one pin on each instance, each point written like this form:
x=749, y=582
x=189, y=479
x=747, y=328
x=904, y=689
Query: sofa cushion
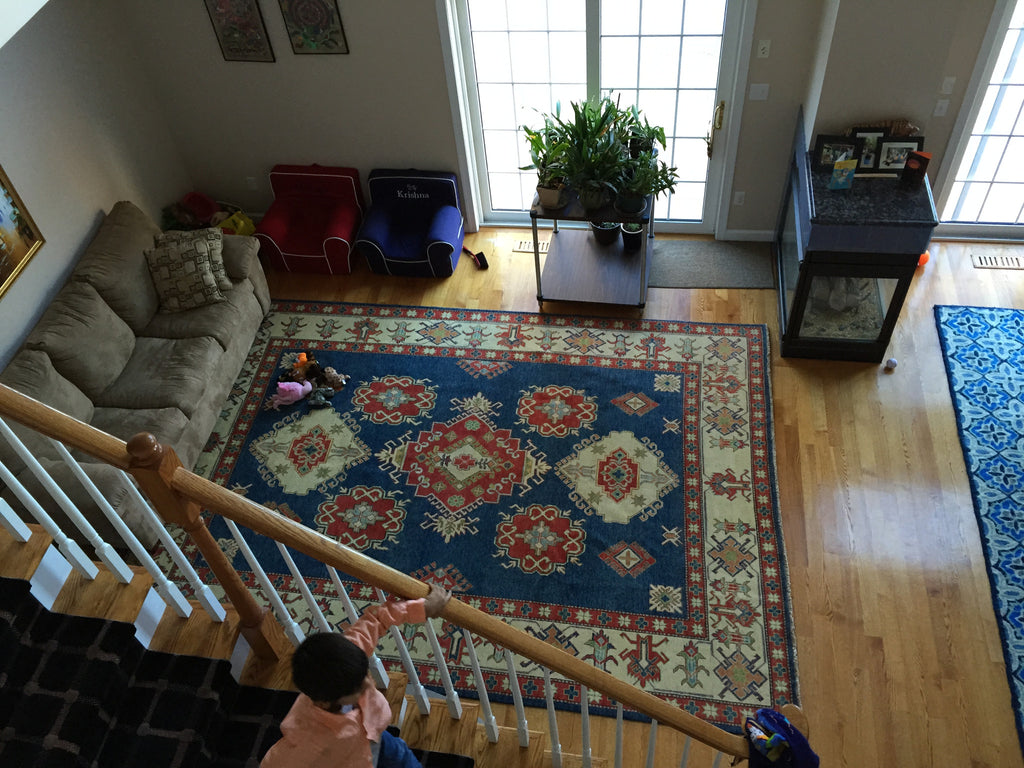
x=237, y=315
x=183, y=275
x=87, y=342
x=31, y=373
x=166, y=424
x=241, y=255
x=165, y=373
x=114, y=264
x=209, y=240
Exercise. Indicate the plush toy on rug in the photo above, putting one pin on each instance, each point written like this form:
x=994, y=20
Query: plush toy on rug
x=321, y=397
x=289, y=392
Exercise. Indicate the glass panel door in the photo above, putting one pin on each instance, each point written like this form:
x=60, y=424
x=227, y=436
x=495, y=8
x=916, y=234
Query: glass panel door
x=525, y=57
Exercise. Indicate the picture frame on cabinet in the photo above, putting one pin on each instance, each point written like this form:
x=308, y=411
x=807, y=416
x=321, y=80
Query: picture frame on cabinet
x=894, y=151
x=829, y=149
x=869, y=152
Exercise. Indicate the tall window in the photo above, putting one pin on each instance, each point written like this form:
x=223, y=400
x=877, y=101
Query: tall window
x=529, y=56
x=989, y=184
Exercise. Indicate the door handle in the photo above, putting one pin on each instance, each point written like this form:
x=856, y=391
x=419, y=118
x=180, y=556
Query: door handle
x=717, y=119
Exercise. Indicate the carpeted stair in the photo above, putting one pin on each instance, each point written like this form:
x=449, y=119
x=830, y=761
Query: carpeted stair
x=84, y=692
x=81, y=692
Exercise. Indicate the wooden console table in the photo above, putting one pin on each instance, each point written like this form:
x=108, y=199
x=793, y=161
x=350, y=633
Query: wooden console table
x=578, y=268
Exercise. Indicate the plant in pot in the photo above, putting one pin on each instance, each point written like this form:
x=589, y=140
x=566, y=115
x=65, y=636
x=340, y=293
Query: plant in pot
x=605, y=232
x=593, y=155
x=643, y=137
x=632, y=236
x=547, y=151
x=639, y=177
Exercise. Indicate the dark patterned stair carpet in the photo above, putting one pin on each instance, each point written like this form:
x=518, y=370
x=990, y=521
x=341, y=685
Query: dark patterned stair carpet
x=81, y=692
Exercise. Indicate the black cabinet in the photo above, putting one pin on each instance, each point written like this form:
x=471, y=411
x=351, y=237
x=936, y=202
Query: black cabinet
x=846, y=259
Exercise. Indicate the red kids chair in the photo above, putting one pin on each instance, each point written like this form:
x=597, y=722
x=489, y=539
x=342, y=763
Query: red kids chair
x=313, y=220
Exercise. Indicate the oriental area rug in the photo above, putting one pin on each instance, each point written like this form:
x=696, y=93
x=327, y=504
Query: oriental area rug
x=607, y=485
x=983, y=349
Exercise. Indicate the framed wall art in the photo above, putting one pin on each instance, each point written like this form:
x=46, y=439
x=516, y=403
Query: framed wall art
x=893, y=152
x=240, y=30
x=829, y=149
x=314, y=26
x=20, y=239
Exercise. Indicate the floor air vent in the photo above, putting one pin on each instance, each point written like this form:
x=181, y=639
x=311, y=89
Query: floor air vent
x=996, y=262
x=526, y=246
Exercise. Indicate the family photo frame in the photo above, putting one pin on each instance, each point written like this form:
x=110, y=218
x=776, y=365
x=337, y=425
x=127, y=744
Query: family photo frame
x=893, y=151
x=830, y=149
x=868, y=160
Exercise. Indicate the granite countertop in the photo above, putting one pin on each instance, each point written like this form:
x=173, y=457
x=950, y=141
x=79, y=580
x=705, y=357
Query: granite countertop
x=871, y=200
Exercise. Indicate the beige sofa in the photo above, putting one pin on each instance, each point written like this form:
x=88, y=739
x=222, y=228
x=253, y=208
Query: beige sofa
x=107, y=352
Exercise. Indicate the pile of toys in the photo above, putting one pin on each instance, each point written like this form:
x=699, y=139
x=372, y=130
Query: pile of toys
x=307, y=379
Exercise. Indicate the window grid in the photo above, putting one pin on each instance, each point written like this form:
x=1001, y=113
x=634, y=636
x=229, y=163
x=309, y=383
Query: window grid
x=989, y=184
x=511, y=190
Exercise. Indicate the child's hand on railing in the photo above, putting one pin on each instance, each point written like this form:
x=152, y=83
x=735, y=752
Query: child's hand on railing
x=435, y=602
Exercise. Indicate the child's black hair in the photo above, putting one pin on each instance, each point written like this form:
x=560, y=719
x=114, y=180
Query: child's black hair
x=327, y=666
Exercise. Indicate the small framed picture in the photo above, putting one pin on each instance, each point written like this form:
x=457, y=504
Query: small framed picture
x=829, y=149
x=893, y=152
x=869, y=154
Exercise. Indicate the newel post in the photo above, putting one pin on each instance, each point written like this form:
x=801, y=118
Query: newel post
x=153, y=466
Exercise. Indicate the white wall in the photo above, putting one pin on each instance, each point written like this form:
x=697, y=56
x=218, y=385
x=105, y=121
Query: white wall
x=383, y=104
x=80, y=129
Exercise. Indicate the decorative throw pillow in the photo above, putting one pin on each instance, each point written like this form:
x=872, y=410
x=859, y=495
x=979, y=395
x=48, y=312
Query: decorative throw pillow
x=212, y=240
x=183, y=276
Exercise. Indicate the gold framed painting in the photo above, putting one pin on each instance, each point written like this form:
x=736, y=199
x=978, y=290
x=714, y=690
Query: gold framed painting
x=20, y=238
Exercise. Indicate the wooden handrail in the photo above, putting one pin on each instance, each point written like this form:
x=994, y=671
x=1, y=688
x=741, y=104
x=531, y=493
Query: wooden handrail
x=254, y=516
x=72, y=432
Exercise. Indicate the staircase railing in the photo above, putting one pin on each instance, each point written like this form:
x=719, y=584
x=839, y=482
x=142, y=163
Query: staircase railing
x=179, y=496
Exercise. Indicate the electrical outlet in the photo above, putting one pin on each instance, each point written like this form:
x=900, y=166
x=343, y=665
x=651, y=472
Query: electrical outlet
x=941, y=107
x=738, y=198
x=250, y=182
x=764, y=49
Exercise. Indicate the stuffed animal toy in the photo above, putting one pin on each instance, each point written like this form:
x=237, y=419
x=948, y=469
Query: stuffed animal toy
x=333, y=379
x=289, y=392
x=321, y=397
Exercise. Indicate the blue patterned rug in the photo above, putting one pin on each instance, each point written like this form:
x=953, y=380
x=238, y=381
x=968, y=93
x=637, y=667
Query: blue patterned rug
x=605, y=484
x=984, y=353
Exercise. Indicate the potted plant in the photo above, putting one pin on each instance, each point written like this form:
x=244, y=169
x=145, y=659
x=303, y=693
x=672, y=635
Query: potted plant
x=632, y=236
x=547, y=151
x=594, y=150
x=643, y=137
x=605, y=232
x=639, y=177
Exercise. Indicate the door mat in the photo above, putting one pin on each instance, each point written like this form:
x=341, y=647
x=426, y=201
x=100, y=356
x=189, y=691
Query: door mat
x=711, y=264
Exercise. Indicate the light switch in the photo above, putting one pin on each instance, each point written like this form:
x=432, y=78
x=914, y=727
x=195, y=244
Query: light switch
x=947, y=85
x=759, y=91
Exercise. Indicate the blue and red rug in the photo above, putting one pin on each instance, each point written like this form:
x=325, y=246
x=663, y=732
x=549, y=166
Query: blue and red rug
x=605, y=484
x=983, y=348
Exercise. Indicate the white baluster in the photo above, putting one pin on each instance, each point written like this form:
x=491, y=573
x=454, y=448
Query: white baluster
x=618, y=735
x=67, y=546
x=490, y=724
x=517, y=697
x=165, y=588
x=13, y=524
x=291, y=629
x=454, y=705
x=318, y=616
x=556, y=745
x=419, y=693
x=652, y=741
x=585, y=724
x=686, y=753
x=202, y=592
x=377, y=671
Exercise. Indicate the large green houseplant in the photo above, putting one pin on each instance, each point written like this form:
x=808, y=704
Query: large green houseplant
x=641, y=176
x=547, y=152
x=594, y=155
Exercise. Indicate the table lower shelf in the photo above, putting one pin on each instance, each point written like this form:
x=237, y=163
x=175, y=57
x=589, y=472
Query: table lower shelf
x=578, y=268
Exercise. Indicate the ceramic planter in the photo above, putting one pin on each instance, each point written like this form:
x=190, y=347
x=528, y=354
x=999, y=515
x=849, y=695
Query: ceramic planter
x=606, y=233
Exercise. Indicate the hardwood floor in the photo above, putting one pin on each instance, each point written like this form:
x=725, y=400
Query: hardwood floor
x=899, y=654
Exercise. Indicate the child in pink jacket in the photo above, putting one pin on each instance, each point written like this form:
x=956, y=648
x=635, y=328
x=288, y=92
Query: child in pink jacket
x=339, y=716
